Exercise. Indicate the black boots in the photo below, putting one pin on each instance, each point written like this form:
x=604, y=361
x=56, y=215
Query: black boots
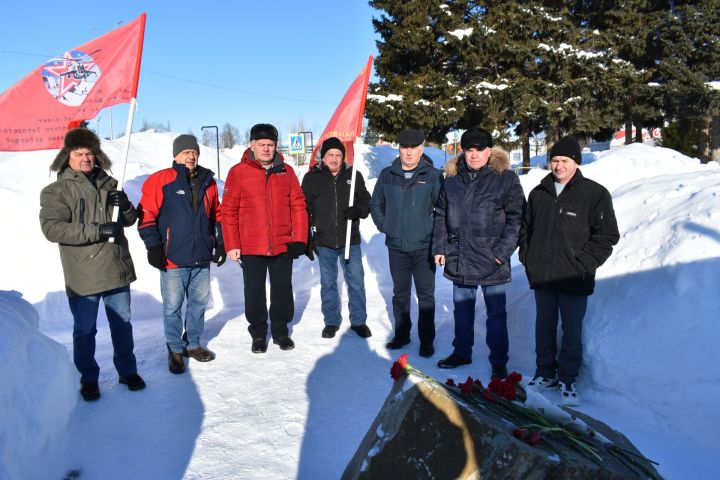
x=90, y=391
x=362, y=330
x=133, y=381
x=259, y=345
x=285, y=343
x=453, y=361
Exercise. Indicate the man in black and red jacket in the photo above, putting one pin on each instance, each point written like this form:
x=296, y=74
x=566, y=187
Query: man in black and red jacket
x=179, y=221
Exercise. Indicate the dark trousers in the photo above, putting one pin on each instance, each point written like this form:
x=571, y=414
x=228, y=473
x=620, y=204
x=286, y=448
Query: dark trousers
x=406, y=267
x=549, y=307
x=84, y=310
x=282, y=306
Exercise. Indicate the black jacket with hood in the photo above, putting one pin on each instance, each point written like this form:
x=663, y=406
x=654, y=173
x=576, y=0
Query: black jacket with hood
x=477, y=220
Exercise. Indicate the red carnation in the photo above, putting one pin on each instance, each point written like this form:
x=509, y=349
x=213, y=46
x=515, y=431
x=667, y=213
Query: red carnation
x=534, y=438
x=520, y=433
x=450, y=382
x=514, y=377
x=402, y=360
x=466, y=387
x=396, y=371
x=488, y=396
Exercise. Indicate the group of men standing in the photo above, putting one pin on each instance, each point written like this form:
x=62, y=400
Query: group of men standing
x=469, y=222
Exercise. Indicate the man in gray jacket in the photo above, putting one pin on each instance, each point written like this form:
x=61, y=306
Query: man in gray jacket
x=76, y=213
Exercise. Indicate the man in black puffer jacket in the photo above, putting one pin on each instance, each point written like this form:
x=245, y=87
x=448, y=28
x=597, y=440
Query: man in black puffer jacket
x=327, y=192
x=477, y=223
x=568, y=231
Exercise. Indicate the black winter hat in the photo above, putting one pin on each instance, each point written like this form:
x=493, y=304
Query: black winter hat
x=185, y=142
x=476, y=137
x=80, y=138
x=264, y=130
x=567, y=147
x=410, y=138
x=330, y=143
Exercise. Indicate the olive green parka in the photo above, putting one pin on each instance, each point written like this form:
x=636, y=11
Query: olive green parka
x=71, y=210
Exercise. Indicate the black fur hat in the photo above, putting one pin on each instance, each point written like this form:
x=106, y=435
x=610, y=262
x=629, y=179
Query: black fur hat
x=80, y=138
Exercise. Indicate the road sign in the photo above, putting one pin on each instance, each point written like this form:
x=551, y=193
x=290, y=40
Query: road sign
x=296, y=145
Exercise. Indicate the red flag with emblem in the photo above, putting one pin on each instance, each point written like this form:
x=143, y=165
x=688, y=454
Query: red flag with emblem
x=36, y=112
x=346, y=122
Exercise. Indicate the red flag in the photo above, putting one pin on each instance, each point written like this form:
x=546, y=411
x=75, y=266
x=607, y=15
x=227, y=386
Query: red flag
x=36, y=112
x=346, y=122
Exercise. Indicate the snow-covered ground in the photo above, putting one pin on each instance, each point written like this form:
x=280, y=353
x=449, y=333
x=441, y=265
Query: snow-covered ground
x=652, y=367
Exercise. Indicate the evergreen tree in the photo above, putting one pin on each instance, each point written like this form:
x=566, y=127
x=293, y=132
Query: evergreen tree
x=420, y=41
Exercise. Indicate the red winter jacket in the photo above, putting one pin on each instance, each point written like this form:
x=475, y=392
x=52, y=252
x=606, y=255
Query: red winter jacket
x=263, y=209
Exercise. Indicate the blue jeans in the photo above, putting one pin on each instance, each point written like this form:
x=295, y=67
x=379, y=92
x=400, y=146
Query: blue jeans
x=84, y=310
x=354, y=279
x=176, y=284
x=496, y=335
x=549, y=307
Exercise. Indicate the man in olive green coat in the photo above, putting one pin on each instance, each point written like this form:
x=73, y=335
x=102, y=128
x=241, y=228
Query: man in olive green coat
x=76, y=213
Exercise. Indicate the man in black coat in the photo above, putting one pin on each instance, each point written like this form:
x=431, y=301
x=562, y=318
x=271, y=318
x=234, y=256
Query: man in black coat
x=477, y=223
x=327, y=192
x=568, y=231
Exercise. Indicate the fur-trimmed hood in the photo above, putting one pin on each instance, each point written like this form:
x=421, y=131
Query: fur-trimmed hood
x=499, y=161
x=80, y=138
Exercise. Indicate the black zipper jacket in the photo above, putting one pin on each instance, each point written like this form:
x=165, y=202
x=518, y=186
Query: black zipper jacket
x=565, y=238
x=327, y=197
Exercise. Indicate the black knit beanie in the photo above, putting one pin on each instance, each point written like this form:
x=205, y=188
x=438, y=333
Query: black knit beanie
x=330, y=143
x=185, y=142
x=567, y=147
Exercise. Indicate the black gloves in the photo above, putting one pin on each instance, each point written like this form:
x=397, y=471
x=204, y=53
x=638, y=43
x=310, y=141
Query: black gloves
x=295, y=249
x=156, y=258
x=352, y=213
x=110, y=229
x=119, y=199
x=220, y=255
x=311, y=248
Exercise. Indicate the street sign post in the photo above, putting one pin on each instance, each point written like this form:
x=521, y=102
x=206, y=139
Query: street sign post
x=296, y=145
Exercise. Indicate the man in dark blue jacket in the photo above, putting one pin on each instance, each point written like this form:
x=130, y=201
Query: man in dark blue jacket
x=179, y=222
x=477, y=223
x=402, y=207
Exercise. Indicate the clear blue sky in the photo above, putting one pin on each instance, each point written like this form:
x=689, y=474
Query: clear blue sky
x=211, y=62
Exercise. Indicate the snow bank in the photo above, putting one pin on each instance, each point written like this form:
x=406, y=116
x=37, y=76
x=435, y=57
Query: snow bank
x=37, y=396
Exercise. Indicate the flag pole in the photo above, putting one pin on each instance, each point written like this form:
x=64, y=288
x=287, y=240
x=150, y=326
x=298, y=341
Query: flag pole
x=131, y=113
x=358, y=131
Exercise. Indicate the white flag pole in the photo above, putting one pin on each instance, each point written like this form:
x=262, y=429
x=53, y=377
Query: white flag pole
x=350, y=204
x=126, y=151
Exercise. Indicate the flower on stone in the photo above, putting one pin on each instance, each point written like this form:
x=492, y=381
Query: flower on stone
x=534, y=438
x=467, y=386
x=506, y=387
x=402, y=360
x=519, y=433
x=450, y=382
x=399, y=367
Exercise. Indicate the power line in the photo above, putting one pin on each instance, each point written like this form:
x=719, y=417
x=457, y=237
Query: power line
x=196, y=82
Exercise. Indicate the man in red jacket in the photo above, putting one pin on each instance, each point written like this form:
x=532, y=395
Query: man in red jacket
x=265, y=227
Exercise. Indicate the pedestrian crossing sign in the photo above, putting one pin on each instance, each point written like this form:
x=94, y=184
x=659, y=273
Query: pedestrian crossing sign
x=296, y=144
